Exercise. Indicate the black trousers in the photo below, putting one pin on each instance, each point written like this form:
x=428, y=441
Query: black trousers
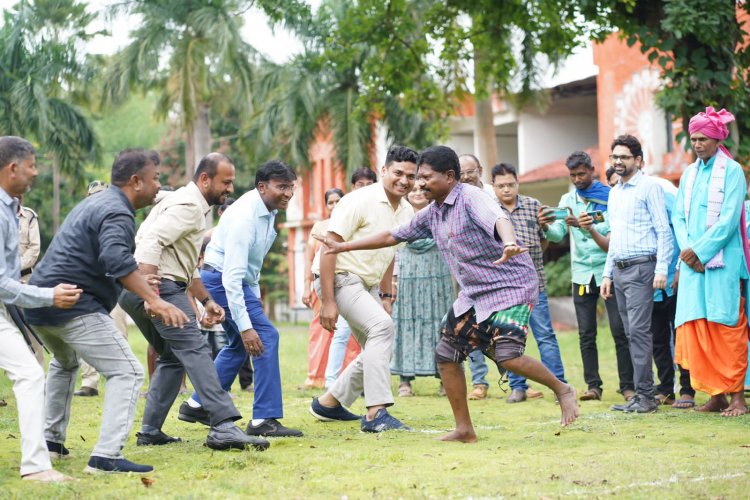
x=662, y=329
x=585, y=305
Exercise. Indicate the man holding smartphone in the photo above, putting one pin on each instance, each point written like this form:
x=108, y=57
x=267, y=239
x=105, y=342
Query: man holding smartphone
x=589, y=253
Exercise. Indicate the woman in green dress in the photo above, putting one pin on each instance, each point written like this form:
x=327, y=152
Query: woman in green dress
x=425, y=292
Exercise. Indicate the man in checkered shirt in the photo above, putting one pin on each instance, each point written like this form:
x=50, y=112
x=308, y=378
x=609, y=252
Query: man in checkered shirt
x=498, y=282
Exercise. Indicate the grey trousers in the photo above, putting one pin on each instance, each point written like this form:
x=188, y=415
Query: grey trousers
x=94, y=337
x=635, y=301
x=374, y=330
x=180, y=350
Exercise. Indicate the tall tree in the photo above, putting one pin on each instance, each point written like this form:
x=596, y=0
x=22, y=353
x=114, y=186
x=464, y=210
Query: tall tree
x=312, y=94
x=40, y=70
x=191, y=53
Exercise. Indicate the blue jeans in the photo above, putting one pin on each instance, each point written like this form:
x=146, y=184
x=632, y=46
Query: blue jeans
x=267, y=401
x=549, y=351
x=337, y=351
x=478, y=368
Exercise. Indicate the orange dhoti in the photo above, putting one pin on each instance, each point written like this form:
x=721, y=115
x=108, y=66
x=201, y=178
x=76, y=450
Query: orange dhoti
x=715, y=354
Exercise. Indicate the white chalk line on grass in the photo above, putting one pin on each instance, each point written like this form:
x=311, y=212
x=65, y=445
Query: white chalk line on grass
x=662, y=482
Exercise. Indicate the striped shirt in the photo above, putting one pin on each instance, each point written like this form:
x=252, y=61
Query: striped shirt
x=638, y=222
x=463, y=228
x=529, y=232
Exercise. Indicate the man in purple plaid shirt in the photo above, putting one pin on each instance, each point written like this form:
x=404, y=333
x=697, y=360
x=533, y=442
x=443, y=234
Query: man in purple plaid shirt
x=497, y=278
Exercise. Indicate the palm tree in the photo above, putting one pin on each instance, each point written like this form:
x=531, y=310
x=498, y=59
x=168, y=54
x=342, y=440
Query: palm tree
x=191, y=53
x=310, y=94
x=36, y=75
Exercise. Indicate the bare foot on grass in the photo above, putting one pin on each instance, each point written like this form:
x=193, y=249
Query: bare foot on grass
x=735, y=410
x=568, y=406
x=48, y=476
x=715, y=404
x=461, y=436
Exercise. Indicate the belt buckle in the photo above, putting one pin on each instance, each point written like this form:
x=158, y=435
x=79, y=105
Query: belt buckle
x=621, y=264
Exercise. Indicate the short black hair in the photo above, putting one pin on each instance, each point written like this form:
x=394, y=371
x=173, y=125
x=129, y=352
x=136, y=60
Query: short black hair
x=441, y=159
x=129, y=162
x=274, y=169
x=14, y=149
x=579, y=158
x=210, y=164
x=364, y=173
x=504, y=169
x=400, y=153
x=630, y=142
x=609, y=172
x=474, y=159
x=333, y=191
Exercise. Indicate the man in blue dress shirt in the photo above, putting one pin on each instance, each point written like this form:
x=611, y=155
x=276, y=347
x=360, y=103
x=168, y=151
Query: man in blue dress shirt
x=231, y=274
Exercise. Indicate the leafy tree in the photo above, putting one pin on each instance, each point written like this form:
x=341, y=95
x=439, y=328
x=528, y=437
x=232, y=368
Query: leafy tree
x=191, y=53
x=703, y=52
x=39, y=74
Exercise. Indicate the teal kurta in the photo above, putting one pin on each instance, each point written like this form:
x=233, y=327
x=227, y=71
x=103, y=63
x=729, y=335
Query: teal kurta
x=715, y=294
x=425, y=294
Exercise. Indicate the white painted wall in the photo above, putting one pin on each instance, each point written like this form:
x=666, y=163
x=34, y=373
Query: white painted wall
x=542, y=139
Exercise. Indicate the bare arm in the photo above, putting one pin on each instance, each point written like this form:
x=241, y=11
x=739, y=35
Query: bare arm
x=309, y=257
x=329, y=311
x=335, y=244
x=504, y=229
x=386, y=286
x=171, y=315
x=586, y=222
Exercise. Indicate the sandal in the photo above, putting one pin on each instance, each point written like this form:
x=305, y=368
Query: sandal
x=593, y=394
x=664, y=399
x=404, y=390
x=683, y=404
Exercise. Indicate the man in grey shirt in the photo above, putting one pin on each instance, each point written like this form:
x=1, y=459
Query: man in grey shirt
x=94, y=248
x=17, y=173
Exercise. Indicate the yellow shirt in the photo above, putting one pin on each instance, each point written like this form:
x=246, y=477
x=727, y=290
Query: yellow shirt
x=362, y=213
x=172, y=234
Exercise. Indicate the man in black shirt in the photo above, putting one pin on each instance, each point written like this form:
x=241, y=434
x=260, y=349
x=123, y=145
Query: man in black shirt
x=94, y=249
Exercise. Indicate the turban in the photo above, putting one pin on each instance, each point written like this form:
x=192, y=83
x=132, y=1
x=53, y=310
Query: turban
x=712, y=124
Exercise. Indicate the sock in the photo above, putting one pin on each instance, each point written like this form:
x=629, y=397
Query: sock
x=192, y=403
x=149, y=429
x=257, y=421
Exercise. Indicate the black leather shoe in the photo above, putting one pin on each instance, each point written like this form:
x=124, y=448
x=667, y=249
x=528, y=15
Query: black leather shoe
x=233, y=437
x=157, y=439
x=57, y=451
x=517, y=396
x=271, y=428
x=189, y=414
x=86, y=392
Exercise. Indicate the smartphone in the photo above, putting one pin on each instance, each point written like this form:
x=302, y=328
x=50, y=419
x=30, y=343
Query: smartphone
x=559, y=212
x=597, y=215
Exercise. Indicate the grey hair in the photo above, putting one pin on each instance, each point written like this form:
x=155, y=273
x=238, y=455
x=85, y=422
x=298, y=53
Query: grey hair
x=14, y=149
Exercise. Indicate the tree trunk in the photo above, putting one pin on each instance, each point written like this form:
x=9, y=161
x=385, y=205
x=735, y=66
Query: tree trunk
x=201, y=134
x=55, y=193
x=485, y=143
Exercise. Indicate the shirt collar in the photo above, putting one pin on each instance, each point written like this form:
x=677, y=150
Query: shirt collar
x=8, y=199
x=633, y=180
x=453, y=195
x=382, y=196
x=262, y=210
x=194, y=191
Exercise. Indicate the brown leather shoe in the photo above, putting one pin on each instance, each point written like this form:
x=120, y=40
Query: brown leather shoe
x=628, y=394
x=479, y=392
x=593, y=394
x=532, y=393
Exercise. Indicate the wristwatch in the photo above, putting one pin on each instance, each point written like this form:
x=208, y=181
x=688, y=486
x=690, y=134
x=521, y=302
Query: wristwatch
x=385, y=295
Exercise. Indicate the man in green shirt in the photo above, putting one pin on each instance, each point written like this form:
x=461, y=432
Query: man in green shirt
x=589, y=244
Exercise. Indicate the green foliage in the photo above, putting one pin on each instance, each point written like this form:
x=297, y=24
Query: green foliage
x=700, y=47
x=558, y=277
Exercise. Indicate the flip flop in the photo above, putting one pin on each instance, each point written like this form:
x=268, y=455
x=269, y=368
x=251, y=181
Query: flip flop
x=683, y=404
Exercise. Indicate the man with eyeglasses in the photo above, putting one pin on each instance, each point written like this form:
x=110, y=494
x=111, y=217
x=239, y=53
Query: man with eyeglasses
x=640, y=249
x=231, y=274
x=522, y=211
x=589, y=245
x=471, y=173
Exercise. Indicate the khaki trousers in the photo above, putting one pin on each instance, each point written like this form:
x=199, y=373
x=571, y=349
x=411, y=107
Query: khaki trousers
x=373, y=329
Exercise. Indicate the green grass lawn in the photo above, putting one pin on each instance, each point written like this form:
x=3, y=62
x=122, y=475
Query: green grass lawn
x=522, y=451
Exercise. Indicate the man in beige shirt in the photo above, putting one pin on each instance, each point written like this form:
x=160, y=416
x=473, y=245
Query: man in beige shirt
x=168, y=244
x=358, y=285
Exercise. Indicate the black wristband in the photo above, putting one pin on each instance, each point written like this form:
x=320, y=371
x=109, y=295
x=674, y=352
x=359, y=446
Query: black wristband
x=205, y=301
x=386, y=295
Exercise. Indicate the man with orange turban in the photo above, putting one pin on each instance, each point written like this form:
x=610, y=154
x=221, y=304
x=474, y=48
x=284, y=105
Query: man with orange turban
x=708, y=219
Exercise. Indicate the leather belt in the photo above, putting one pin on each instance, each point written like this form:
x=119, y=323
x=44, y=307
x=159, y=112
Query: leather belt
x=25, y=272
x=624, y=264
x=208, y=267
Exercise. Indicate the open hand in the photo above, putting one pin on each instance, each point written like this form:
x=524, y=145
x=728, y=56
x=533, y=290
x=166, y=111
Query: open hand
x=510, y=250
x=170, y=315
x=332, y=246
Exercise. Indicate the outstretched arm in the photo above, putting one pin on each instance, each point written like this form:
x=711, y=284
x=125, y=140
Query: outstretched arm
x=379, y=240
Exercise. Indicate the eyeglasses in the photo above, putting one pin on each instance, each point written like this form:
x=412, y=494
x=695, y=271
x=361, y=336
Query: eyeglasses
x=620, y=157
x=468, y=173
x=509, y=185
